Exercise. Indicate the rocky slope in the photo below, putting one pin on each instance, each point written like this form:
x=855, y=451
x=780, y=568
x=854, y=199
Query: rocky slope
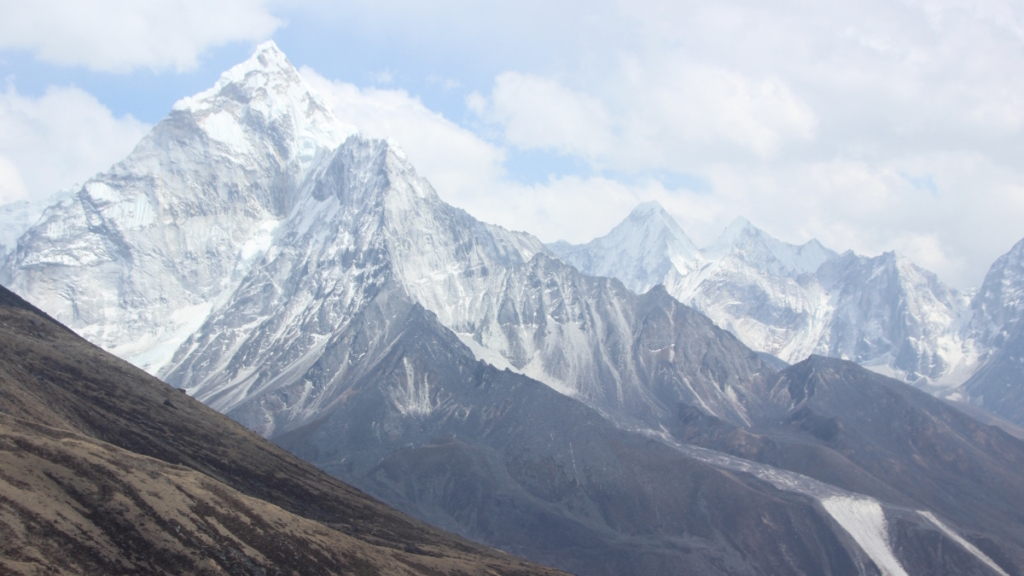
x=315, y=313
x=107, y=470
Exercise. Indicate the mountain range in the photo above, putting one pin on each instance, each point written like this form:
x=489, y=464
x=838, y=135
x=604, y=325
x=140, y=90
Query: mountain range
x=790, y=301
x=613, y=408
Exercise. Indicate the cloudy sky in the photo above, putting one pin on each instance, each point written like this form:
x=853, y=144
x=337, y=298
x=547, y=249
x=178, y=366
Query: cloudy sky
x=872, y=125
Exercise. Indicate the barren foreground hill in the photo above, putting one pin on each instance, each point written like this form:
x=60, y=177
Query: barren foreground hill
x=104, y=469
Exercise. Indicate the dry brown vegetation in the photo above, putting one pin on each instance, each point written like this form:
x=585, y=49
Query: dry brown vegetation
x=104, y=469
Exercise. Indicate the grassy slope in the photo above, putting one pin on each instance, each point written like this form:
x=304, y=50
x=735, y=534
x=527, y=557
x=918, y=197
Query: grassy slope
x=106, y=469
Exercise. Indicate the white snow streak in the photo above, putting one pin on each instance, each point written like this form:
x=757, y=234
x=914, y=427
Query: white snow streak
x=413, y=399
x=959, y=540
x=865, y=521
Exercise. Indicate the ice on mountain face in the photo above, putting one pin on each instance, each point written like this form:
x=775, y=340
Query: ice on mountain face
x=366, y=234
x=865, y=521
x=248, y=229
x=267, y=90
x=888, y=309
x=135, y=257
x=881, y=312
x=414, y=398
x=996, y=329
x=17, y=217
x=366, y=231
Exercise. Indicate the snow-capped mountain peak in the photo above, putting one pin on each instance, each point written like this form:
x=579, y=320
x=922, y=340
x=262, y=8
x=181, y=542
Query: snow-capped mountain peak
x=731, y=237
x=155, y=243
x=266, y=91
x=640, y=251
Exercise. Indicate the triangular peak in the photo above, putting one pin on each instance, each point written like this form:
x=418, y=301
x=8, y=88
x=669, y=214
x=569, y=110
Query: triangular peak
x=732, y=236
x=640, y=251
x=268, y=66
x=268, y=57
x=647, y=209
x=738, y=225
x=650, y=216
x=265, y=95
x=269, y=49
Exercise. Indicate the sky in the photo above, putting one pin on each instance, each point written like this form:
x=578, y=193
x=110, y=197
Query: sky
x=874, y=125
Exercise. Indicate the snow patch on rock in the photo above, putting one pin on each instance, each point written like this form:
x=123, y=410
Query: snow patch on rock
x=865, y=521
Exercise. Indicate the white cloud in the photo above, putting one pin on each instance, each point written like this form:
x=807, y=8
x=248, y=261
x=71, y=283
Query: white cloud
x=59, y=139
x=540, y=113
x=876, y=125
x=956, y=228
x=461, y=166
x=670, y=115
x=11, y=186
x=121, y=35
x=680, y=114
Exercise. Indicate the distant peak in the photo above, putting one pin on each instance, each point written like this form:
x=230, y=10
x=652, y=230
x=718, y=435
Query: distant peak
x=653, y=216
x=650, y=207
x=739, y=224
x=648, y=214
x=738, y=227
x=1017, y=248
x=732, y=234
x=759, y=248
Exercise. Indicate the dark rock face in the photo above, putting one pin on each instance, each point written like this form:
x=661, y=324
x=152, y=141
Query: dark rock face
x=506, y=460
x=499, y=458
x=998, y=386
x=839, y=423
x=917, y=444
x=104, y=469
